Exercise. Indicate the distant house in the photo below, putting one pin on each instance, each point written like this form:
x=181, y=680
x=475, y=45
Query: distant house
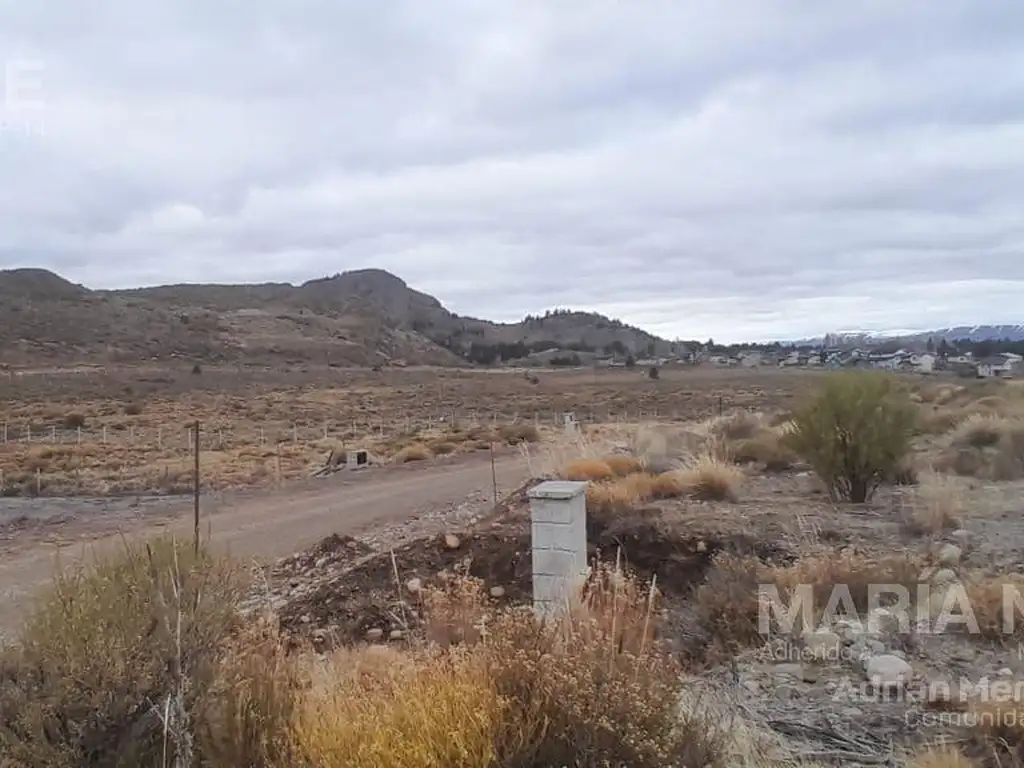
x=750, y=358
x=923, y=362
x=996, y=366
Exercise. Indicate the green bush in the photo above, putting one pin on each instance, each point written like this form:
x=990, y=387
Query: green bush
x=116, y=649
x=855, y=433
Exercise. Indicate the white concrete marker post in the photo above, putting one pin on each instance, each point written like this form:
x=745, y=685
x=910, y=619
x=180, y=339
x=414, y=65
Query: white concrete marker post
x=558, y=513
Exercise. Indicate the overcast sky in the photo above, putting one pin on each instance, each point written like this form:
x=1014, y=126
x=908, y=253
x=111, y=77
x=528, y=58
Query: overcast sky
x=744, y=170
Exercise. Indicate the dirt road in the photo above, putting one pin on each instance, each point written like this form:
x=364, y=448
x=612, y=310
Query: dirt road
x=273, y=524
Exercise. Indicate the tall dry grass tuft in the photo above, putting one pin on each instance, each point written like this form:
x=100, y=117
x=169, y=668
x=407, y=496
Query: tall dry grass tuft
x=709, y=478
x=979, y=430
x=246, y=719
x=937, y=503
x=442, y=710
x=549, y=459
x=587, y=469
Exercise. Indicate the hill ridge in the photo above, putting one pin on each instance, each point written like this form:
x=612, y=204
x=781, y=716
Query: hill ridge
x=359, y=317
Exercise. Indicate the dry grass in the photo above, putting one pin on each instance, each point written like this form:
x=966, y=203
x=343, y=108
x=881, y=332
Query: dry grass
x=766, y=448
x=741, y=425
x=260, y=428
x=588, y=469
x=979, y=431
x=997, y=733
x=414, y=452
x=936, y=505
x=439, y=712
x=708, y=478
x=592, y=687
x=987, y=447
x=727, y=604
x=118, y=648
x=938, y=420
x=622, y=466
x=942, y=757
x=993, y=601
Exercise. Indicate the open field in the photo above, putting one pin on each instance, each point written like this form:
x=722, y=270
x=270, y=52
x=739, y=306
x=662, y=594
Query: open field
x=127, y=431
x=705, y=507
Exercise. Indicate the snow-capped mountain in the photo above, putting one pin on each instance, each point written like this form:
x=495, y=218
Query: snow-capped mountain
x=968, y=332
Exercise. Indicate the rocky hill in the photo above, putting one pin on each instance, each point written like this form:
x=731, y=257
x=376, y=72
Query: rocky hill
x=364, y=317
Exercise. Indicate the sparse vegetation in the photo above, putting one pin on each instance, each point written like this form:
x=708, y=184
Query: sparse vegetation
x=123, y=655
x=414, y=452
x=854, y=433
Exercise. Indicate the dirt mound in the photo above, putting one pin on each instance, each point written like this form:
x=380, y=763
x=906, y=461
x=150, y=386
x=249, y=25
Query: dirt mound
x=341, y=592
x=365, y=595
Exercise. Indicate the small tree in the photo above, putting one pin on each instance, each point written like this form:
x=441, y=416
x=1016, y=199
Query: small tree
x=854, y=433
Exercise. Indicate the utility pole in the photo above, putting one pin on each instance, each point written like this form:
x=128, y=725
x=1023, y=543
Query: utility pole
x=195, y=485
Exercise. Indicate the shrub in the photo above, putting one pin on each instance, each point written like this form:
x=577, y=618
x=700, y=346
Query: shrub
x=513, y=434
x=854, y=433
x=741, y=425
x=442, y=447
x=414, y=452
x=653, y=373
x=132, y=409
x=109, y=648
x=74, y=421
x=979, y=431
x=767, y=448
x=588, y=469
x=623, y=465
x=708, y=478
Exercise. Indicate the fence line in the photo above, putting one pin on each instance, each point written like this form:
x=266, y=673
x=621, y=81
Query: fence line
x=218, y=434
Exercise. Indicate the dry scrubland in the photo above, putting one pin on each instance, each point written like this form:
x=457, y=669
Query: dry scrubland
x=265, y=427
x=422, y=656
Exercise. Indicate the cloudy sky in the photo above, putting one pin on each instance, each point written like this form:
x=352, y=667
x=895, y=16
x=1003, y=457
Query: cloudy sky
x=743, y=170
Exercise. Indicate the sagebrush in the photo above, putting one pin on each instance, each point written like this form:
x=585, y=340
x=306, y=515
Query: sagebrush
x=855, y=433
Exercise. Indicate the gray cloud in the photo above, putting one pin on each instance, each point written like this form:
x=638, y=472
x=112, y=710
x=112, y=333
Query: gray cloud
x=777, y=168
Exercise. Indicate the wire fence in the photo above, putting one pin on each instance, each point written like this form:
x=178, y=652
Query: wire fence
x=222, y=433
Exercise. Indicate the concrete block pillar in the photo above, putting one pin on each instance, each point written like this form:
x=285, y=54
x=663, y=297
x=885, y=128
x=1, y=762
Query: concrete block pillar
x=570, y=423
x=558, y=513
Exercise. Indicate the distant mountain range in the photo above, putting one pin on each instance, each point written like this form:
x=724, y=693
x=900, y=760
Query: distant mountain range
x=960, y=332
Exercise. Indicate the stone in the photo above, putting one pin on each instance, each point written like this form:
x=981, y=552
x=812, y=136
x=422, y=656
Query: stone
x=882, y=621
x=850, y=630
x=752, y=686
x=962, y=537
x=964, y=655
x=451, y=541
x=396, y=634
x=944, y=576
x=789, y=670
x=414, y=585
x=875, y=647
x=306, y=618
x=374, y=634
x=497, y=591
x=888, y=671
x=1005, y=672
x=949, y=555
x=822, y=645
